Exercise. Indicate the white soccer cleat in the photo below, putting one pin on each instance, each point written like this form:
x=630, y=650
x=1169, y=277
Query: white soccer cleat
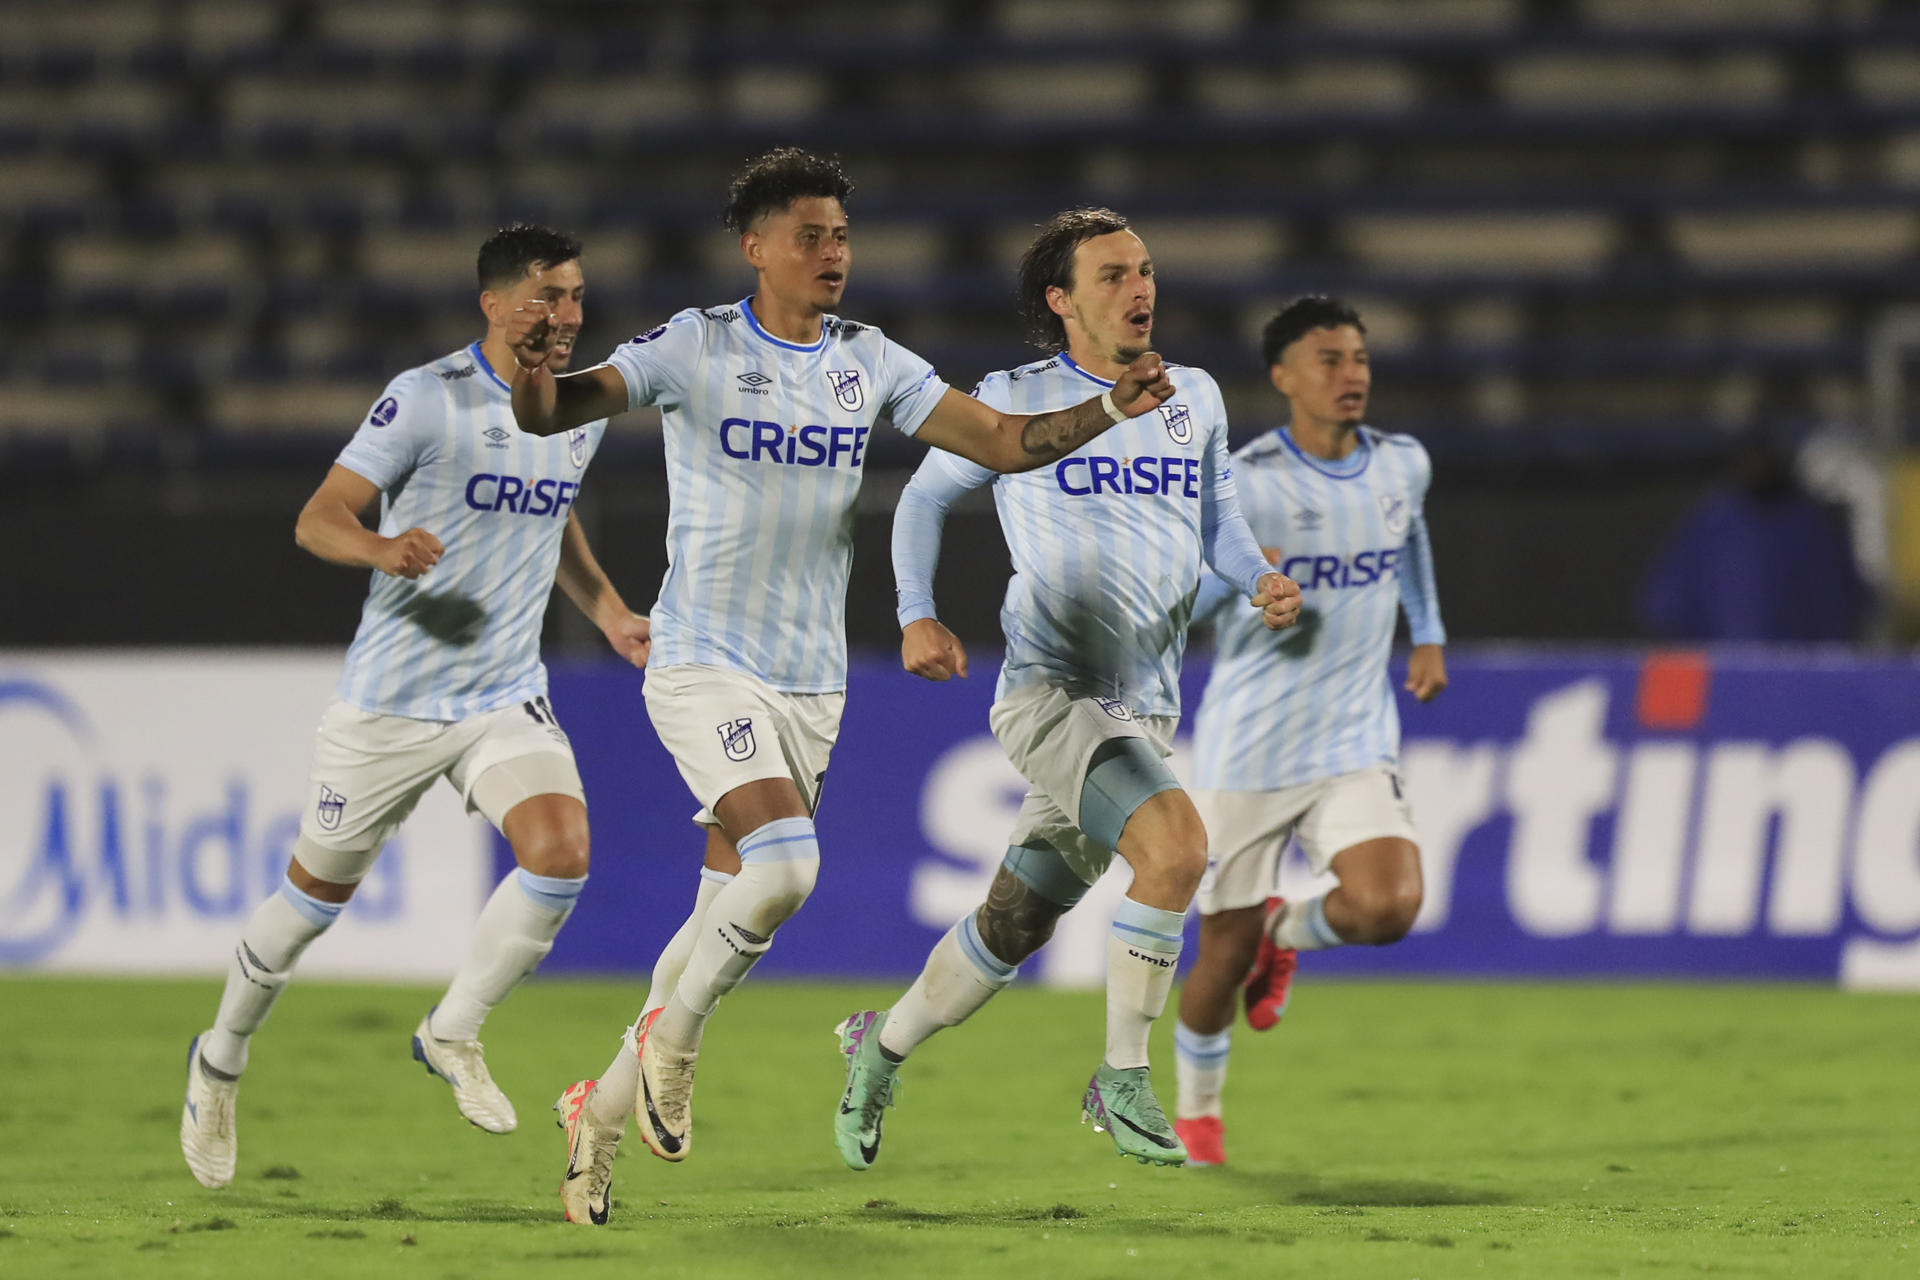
x=664, y=1109
x=586, y=1193
x=463, y=1065
x=208, y=1138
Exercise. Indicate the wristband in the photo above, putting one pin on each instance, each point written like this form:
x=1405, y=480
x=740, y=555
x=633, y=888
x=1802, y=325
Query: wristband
x=1113, y=411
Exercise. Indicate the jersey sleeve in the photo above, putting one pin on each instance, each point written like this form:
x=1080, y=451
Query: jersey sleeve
x=404, y=424
x=909, y=388
x=1229, y=545
x=1419, y=591
x=918, y=522
x=656, y=364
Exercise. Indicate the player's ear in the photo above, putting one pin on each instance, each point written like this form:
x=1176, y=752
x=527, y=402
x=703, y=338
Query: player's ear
x=490, y=308
x=1059, y=301
x=752, y=250
x=1277, y=375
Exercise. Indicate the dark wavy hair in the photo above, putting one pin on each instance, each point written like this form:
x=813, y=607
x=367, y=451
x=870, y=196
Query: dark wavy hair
x=1302, y=316
x=774, y=181
x=1048, y=263
x=511, y=252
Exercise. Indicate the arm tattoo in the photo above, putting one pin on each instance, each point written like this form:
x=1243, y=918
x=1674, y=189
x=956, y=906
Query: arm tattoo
x=1055, y=435
x=1015, y=921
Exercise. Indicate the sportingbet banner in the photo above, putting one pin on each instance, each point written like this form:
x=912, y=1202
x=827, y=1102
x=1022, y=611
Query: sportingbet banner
x=1732, y=815
x=149, y=802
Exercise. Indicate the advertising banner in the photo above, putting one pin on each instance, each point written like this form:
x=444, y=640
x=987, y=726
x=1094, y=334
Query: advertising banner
x=1581, y=815
x=148, y=802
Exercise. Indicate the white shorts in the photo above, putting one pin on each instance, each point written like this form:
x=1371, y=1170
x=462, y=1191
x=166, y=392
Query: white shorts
x=370, y=770
x=1051, y=735
x=1247, y=830
x=727, y=728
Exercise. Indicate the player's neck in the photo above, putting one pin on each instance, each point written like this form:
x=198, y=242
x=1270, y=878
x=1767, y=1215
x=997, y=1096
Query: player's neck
x=799, y=325
x=495, y=351
x=1101, y=364
x=1330, y=440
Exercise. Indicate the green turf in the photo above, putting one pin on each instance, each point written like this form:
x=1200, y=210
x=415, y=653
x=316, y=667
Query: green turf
x=1384, y=1130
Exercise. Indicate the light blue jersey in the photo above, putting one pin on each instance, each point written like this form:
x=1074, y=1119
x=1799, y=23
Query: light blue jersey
x=1315, y=701
x=464, y=638
x=766, y=444
x=1106, y=543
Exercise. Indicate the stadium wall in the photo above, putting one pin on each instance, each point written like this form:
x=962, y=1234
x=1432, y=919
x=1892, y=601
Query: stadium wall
x=1583, y=815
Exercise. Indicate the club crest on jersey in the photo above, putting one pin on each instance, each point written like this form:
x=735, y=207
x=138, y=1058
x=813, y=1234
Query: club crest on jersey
x=847, y=389
x=332, y=805
x=1179, y=420
x=384, y=413
x=577, y=446
x=1393, y=509
x=736, y=738
x=1115, y=707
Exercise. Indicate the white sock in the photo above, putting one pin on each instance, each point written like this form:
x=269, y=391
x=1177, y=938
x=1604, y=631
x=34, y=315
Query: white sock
x=1200, y=1064
x=960, y=976
x=778, y=865
x=619, y=1085
x=513, y=935
x=270, y=945
x=1303, y=926
x=1143, y=950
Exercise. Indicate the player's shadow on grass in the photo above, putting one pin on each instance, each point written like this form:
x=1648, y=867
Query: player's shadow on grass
x=1305, y=1189
x=399, y=1211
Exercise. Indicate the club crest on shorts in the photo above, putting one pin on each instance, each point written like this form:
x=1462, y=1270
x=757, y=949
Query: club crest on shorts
x=1393, y=509
x=577, y=446
x=736, y=738
x=332, y=805
x=1179, y=420
x=847, y=389
x=1115, y=707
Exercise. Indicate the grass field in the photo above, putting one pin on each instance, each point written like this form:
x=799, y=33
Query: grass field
x=1385, y=1130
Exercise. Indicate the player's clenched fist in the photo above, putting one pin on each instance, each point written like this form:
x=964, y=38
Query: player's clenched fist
x=529, y=332
x=1278, y=601
x=1143, y=386
x=931, y=651
x=409, y=555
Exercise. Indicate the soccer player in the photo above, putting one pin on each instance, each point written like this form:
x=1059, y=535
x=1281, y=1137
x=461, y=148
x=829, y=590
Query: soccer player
x=1107, y=546
x=768, y=407
x=444, y=680
x=1298, y=735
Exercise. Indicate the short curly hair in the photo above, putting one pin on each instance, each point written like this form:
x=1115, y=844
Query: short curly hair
x=1048, y=263
x=1301, y=317
x=771, y=183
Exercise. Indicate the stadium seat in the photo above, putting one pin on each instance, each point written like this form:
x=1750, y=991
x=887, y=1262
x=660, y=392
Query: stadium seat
x=1889, y=76
x=1397, y=16
x=1723, y=14
x=291, y=407
x=1641, y=82
x=1062, y=91
x=1827, y=238
x=1545, y=243
x=1342, y=86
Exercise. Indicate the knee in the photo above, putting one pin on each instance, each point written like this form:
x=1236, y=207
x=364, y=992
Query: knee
x=1386, y=912
x=788, y=883
x=558, y=850
x=781, y=860
x=1179, y=860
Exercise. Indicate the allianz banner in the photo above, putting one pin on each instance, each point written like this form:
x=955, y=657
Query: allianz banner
x=1739, y=815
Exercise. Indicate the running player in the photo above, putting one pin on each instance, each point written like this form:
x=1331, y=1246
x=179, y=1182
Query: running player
x=1298, y=736
x=769, y=403
x=444, y=679
x=1107, y=548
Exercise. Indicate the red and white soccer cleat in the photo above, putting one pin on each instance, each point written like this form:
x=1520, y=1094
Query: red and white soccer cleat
x=1271, y=980
x=1205, y=1138
x=586, y=1193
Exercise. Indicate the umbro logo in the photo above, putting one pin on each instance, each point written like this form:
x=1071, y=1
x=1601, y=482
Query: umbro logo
x=754, y=382
x=498, y=436
x=1309, y=520
x=454, y=375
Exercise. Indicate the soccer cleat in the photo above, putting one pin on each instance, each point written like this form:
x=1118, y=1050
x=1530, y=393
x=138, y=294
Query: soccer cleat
x=1204, y=1138
x=586, y=1193
x=208, y=1138
x=1271, y=980
x=664, y=1109
x=870, y=1086
x=463, y=1065
x=1121, y=1105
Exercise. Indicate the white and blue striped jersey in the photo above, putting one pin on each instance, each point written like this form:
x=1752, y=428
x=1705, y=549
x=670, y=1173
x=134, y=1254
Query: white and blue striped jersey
x=1315, y=701
x=1107, y=543
x=442, y=446
x=766, y=444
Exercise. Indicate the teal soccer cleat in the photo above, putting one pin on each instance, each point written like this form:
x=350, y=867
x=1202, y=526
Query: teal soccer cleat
x=1122, y=1105
x=869, y=1092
